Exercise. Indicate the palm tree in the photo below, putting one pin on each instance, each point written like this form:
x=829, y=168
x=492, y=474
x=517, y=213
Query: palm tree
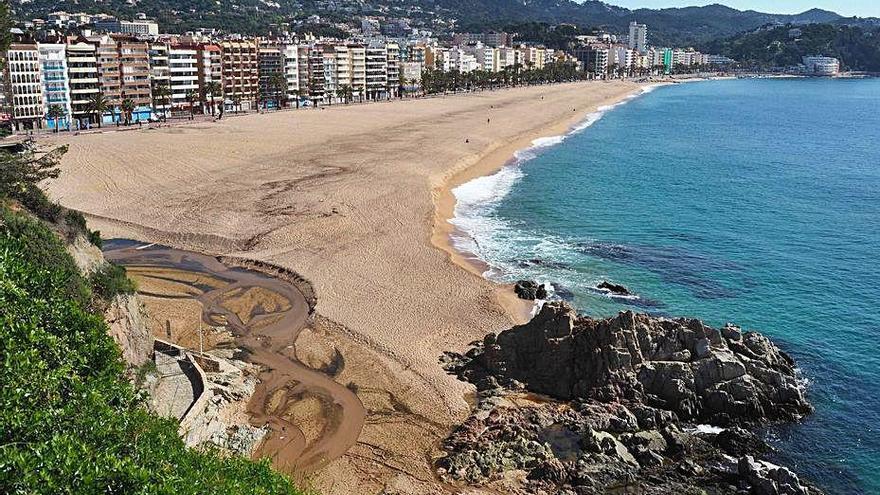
x=278, y=87
x=191, y=98
x=161, y=95
x=127, y=109
x=299, y=94
x=98, y=105
x=214, y=89
x=56, y=113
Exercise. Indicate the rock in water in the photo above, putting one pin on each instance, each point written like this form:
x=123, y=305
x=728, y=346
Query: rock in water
x=680, y=365
x=625, y=397
x=530, y=290
x=616, y=289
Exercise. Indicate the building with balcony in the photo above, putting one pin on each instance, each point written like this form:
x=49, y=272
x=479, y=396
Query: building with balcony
x=82, y=73
x=23, y=75
x=210, y=65
x=241, y=74
x=273, y=85
x=160, y=79
x=56, y=87
x=183, y=72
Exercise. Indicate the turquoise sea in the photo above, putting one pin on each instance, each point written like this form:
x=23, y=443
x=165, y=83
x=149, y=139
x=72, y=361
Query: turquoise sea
x=750, y=201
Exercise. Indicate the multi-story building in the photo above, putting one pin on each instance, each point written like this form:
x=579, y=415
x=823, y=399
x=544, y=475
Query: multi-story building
x=358, y=83
x=594, y=59
x=140, y=27
x=160, y=77
x=183, y=70
x=56, y=88
x=376, y=73
x=316, y=73
x=272, y=81
x=393, y=69
x=411, y=75
x=82, y=71
x=492, y=39
x=210, y=68
x=134, y=71
x=290, y=70
x=241, y=74
x=109, y=78
x=822, y=66
x=26, y=90
x=487, y=58
x=638, y=37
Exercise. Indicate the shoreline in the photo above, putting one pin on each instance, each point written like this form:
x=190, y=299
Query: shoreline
x=489, y=163
x=348, y=199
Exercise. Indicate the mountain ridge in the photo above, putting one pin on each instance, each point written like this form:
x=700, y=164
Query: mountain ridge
x=680, y=26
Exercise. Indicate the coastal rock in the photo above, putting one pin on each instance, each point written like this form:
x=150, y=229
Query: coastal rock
x=615, y=289
x=679, y=365
x=530, y=290
x=622, y=405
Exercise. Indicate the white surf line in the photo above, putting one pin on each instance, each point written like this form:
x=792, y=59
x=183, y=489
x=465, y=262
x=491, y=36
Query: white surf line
x=146, y=246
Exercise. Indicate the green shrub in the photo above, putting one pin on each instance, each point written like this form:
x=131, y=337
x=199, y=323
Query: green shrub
x=69, y=421
x=95, y=238
x=110, y=280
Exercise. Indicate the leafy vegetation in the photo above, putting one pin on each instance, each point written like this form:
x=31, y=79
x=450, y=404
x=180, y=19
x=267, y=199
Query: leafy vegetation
x=71, y=422
x=857, y=48
x=669, y=27
x=110, y=280
x=438, y=81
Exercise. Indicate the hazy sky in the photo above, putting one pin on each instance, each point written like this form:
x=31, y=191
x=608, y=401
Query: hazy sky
x=863, y=8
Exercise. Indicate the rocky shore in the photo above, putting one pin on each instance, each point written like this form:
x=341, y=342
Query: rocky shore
x=630, y=404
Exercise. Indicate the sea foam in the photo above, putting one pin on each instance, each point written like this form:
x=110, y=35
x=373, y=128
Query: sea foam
x=482, y=234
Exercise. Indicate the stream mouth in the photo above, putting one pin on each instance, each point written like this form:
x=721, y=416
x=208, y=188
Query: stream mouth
x=311, y=418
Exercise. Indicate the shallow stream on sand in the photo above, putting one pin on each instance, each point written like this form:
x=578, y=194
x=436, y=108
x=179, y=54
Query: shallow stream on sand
x=312, y=419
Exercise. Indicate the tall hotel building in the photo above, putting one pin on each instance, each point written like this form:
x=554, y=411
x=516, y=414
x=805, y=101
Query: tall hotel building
x=56, y=86
x=82, y=70
x=183, y=71
x=241, y=73
x=23, y=74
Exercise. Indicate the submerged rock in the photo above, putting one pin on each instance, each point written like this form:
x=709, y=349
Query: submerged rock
x=615, y=289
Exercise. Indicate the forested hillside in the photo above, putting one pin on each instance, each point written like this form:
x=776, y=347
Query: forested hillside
x=675, y=26
x=857, y=48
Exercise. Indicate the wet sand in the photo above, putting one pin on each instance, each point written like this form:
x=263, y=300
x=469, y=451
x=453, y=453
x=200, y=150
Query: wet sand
x=265, y=315
x=354, y=199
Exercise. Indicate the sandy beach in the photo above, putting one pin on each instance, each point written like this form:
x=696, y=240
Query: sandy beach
x=355, y=199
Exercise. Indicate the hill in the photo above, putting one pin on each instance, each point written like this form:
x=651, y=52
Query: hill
x=672, y=26
x=857, y=48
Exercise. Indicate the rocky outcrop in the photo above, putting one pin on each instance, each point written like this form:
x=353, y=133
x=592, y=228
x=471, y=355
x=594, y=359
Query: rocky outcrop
x=127, y=324
x=621, y=407
x=615, y=289
x=530, y=290
x=679, y=365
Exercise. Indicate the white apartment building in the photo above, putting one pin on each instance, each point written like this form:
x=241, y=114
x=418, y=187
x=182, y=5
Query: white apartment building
x=23, y=74
x=638, y=37
x=56, y=86
x=183, y=72
x=376, y=70
x=487, y=58
x=358, y=70
x=290, y=56
x=822, y=66
x=159, y=75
